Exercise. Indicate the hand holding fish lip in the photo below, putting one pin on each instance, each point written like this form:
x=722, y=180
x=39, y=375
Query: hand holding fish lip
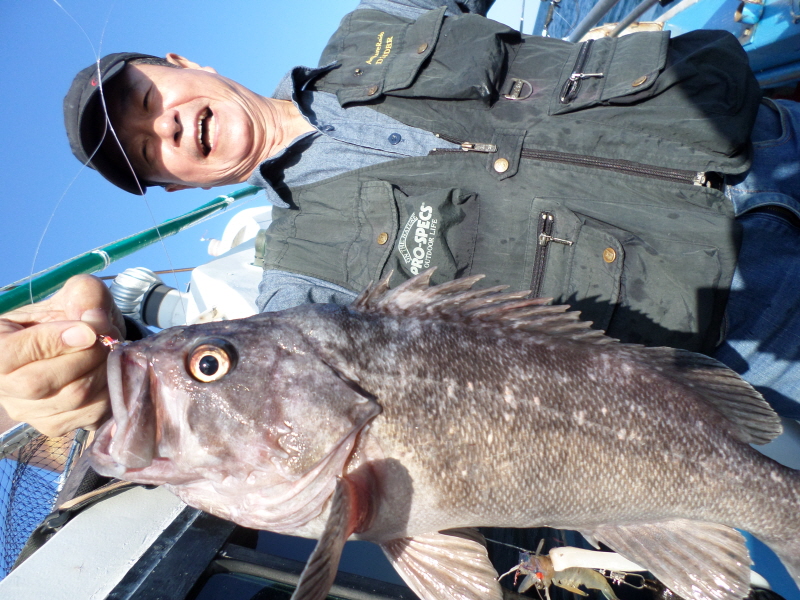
x=647, y=446
x=52, y=370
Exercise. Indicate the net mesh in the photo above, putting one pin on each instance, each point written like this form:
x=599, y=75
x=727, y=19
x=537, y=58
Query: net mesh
x=30, y=478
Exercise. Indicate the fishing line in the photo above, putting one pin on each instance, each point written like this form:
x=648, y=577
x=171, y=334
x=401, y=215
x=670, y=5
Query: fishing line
x=72, y=181
x=509, y=545
x=575, y=21
x=109, y=128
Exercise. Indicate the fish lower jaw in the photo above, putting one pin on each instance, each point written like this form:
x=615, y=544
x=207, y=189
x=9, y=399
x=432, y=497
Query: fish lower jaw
x=157, y=472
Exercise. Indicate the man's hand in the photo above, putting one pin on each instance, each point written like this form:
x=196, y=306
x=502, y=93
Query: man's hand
x=52, y=368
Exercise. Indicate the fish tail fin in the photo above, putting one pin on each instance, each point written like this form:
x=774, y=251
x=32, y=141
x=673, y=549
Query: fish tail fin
x=788, y=551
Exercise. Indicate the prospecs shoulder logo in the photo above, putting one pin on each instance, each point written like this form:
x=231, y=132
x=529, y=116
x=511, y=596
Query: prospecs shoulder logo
x=382, y=49
x=423, y=227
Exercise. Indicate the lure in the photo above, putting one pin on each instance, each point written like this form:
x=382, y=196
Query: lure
x=539, y=573
x=111, y=343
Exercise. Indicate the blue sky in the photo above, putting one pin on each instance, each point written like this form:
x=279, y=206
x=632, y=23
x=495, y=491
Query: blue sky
x=42, y=46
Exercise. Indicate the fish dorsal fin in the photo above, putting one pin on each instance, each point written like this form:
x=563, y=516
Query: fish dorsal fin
x=696, y=560
x=456, y=300
x=449, y=565
x=753, y=421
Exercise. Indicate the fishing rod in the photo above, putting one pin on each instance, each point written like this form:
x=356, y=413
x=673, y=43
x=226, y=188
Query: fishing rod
x=12, y=286
x=48, y=281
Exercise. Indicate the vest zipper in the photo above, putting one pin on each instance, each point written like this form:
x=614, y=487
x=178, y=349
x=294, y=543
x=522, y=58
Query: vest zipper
x=465, y=146
x=544, y=237
x=621, y=166
x=569, y=90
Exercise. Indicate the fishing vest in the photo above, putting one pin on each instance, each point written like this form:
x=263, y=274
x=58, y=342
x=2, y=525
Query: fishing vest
x=586, y=173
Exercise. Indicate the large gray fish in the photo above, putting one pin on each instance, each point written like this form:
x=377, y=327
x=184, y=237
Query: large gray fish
x=420, y=412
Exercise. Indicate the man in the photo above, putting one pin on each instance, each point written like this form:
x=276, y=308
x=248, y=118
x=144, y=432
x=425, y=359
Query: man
x=432, y=137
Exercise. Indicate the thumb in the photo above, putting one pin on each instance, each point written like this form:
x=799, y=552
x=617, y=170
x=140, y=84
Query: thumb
x=43, y=341
x=87, y=299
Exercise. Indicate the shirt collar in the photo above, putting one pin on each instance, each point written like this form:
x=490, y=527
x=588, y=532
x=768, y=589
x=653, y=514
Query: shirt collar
x=295, y=80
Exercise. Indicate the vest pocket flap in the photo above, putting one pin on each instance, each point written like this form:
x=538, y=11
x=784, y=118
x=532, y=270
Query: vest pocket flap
x=381, y=56
x=375, y=236
x=447, y=71
x=416, y=46
x=596, y=274
x=636, y=63
x=577, y=261
x=610, y=70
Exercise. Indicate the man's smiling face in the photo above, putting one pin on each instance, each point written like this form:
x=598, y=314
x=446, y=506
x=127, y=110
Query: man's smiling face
x=188, y=127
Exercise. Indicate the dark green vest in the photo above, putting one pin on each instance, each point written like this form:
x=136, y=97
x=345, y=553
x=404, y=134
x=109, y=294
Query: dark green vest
x=580, y=187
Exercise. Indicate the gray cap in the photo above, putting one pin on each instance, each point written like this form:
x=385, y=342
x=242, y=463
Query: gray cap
x=87, y=125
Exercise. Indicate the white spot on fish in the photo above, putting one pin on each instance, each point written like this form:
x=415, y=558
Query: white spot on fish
x=490, y=438
x=604, y=410
x=508, y=417
x=537, y=401
x=508, y=396
x=775, y=477
x=621, y=434
x=470, y=387
x=580, y=417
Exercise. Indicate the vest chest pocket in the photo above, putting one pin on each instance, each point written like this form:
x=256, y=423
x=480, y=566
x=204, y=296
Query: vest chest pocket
x=655, y=291
x=382, y=55
x=610, y=71
x=437, y=228
x=452, y=73
x=577, y=262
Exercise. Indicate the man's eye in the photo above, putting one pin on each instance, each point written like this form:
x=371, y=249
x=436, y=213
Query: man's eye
x=144, y=152
x=146, y=98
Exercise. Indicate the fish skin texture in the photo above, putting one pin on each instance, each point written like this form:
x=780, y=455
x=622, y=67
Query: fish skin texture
x=440, y=409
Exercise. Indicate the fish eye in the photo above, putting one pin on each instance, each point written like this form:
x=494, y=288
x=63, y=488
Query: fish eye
x=211, y=360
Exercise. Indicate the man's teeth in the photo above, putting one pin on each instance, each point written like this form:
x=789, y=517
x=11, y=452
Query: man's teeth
x=206, y=125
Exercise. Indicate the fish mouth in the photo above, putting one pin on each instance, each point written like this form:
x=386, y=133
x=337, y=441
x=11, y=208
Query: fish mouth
x=127, y=442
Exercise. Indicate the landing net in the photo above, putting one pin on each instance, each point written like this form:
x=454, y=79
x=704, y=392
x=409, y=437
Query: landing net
x=32, y=472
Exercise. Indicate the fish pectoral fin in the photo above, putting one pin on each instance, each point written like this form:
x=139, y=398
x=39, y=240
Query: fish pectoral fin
x=320, y=570
x=696, y=560
x=448, y=565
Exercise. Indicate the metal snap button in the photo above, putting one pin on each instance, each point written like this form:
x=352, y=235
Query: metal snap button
x=383, y=238
x=395, y=139
x=372, y=90
x=609, y=255
x=639, y=81
x=501, y=165
x=358, y=72
x=422, y=48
